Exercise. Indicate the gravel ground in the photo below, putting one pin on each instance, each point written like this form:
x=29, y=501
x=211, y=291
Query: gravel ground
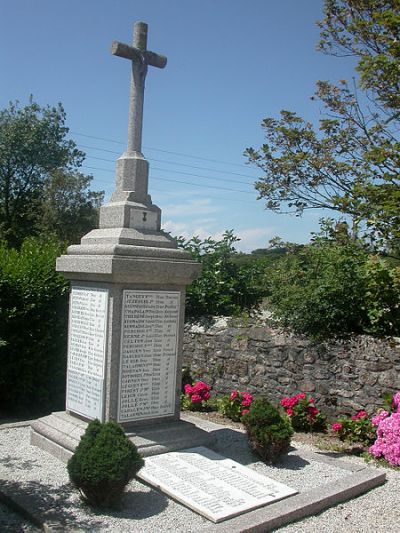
x=14, y=522
x=145, y=510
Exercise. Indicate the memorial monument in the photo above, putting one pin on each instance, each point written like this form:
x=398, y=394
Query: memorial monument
x=127, y=302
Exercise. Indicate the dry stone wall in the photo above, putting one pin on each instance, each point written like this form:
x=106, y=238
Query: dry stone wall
x=343, y=376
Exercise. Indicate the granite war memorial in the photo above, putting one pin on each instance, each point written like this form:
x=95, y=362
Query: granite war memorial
x=127, y=302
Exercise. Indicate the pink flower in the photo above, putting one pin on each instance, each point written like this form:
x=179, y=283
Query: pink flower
x=234, y=395
x=337, y=426
x=312, y=411
x=301, y=396
x=289, y=411
x=311, y=400
x=377, y=419
x=206, y=396
x=387, y=444
x=188, y=389
x=196, y=398
x=285, y=402
x=247, y=398
x=244, y=412
x=360, y=414
x=200, y=386
x=396, y=401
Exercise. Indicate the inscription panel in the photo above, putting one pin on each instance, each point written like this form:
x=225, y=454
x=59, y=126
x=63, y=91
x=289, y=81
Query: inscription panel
x=86, y=351
x=210, y=484
x=149, y=343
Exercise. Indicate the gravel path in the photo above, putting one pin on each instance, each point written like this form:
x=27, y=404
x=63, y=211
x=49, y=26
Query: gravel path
x=145, y=510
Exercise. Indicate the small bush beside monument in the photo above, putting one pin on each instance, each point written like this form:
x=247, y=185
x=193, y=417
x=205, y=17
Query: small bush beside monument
x=268, y=431
x=103, y=464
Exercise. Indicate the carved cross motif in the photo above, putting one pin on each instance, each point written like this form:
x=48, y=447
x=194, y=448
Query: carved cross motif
x=140, y=58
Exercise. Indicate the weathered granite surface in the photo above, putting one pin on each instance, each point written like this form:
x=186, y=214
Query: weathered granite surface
x=343, y=376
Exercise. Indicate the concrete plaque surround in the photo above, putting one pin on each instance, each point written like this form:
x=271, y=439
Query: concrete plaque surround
x=86, y=351
x=149, y=342
x=211, y=484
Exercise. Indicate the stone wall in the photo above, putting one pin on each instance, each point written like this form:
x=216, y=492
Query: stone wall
x=343, y=376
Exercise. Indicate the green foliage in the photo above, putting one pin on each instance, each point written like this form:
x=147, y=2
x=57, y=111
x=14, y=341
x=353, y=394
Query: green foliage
x=334, y=288
x=33, y=327
x=356, y=429
x=350, y=163
x=234, y=406
x=224, y=288
x=268, y=432
x=304, y=415
x=104, y=462
x=41, y=190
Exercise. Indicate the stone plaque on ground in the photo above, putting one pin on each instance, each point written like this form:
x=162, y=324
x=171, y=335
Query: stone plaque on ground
x=86, y=351
x=210, y=484
x=149, y=343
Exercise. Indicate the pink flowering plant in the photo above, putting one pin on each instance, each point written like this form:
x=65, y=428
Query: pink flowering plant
x=387, y=423
x=236, y=405
x=196, y=396
x=358, y=428
x=303, y=414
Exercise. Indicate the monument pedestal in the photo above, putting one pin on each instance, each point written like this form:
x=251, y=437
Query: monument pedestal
x=59, y=434
x=124, y=347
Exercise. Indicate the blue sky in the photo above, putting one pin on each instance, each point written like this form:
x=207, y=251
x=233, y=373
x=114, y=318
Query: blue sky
x=231, y=63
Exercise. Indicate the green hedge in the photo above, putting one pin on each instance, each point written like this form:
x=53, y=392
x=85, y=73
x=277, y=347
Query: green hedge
x=332, y=288
x=33, y=327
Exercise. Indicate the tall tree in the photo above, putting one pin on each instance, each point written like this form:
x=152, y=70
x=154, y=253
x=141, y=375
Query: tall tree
x=351, y=162
x=41, y=188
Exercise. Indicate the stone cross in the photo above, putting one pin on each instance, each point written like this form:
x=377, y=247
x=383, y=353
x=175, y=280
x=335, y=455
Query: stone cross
x=141, y=58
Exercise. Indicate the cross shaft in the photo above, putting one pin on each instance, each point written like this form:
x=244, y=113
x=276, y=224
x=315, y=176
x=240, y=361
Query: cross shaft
x=140, y=58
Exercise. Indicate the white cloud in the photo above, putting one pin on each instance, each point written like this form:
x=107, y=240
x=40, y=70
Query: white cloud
x=201, y=206
x=253, y=238
x=250, y=238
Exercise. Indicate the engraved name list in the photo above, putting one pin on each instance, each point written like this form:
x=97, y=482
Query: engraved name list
x=148, y=354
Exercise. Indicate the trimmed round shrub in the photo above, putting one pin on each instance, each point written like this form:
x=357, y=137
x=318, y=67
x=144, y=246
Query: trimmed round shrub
x=104, y=462
x=269, y=433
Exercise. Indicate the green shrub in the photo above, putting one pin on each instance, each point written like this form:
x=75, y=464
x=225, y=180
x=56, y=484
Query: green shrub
x=335, y=288
x=104, y=462
x=235, y=406
x=355, y=429
x=33, y=327
x=268, y=432
x=303, y=414
x=224, y=287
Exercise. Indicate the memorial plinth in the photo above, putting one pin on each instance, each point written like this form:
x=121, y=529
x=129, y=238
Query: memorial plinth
x=126, y=319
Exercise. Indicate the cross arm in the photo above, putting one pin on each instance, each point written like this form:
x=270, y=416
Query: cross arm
x=134, y=54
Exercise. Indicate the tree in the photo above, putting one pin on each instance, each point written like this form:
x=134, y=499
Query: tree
x=41, y=189
x=224, y=287
x=351, y=163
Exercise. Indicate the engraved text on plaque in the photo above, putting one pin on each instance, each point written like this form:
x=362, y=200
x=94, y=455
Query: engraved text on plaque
x=149, y=342
x=86, y=351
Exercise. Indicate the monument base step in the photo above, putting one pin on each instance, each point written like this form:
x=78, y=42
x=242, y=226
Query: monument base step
x=60, y=433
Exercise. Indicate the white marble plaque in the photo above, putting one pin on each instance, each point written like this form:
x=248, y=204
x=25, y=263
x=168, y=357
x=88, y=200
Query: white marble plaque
x=86, y=351
x=149, y=343
x=210, y=484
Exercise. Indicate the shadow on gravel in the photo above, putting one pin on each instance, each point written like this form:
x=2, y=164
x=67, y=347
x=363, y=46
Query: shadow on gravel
x=47, y=503
x=15, y=462
x=54, y=505
x=139, y=505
